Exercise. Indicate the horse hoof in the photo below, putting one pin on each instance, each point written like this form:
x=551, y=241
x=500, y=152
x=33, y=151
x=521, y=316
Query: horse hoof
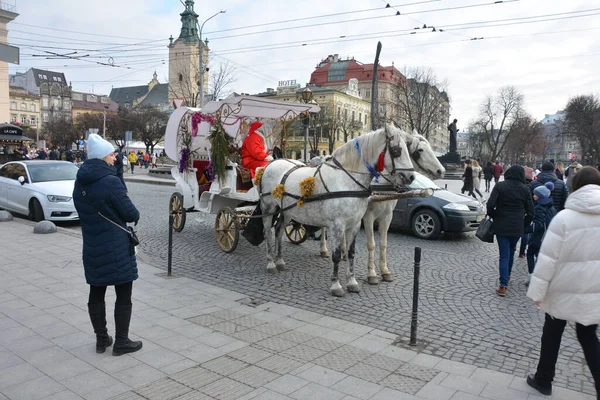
x=353, y=288
x=271, y=270
x=325, y=254
x=373, y=280
x=388, y=278
x=280, y=267
x=337, y=292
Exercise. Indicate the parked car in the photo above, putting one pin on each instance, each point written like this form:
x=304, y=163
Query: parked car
x=443, y=211
x=40, y=189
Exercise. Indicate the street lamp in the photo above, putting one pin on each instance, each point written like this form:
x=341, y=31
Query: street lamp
x=307, y=96
x=201, y=49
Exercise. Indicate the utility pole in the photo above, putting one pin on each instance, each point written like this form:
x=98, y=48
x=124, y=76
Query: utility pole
x=200, y=59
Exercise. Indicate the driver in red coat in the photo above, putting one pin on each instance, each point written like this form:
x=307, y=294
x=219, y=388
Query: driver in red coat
x=254, y=149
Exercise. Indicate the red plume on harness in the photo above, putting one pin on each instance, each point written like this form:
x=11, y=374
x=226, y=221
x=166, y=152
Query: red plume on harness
x=380, y=162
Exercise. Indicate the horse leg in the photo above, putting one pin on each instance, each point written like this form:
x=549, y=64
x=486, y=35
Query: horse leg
x=335, y=235
x=344, y=248
x=368, y=223
x=267, y=223
x=384, y=225
x=351, y=283
x=324, y=251
x=279, y=230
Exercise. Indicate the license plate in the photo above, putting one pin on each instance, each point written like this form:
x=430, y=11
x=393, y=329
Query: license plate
x=480, y=218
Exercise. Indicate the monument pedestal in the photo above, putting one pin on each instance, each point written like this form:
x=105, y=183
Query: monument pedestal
x=451, y=162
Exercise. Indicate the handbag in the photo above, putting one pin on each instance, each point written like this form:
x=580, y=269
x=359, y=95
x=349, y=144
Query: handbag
x=485, y=231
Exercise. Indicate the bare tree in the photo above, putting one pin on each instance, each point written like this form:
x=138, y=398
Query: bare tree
x=61, y=132
x=150, y=126
x=421, y=100
x=221, y=79
x=582, y=121
x=497, y=114
x=526, y=141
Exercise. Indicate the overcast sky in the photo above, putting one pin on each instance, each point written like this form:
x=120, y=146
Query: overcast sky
x=548, y=61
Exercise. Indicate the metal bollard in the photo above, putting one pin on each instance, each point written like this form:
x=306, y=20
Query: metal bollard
x=415, y=309
x=170, y=256
x=446, y=186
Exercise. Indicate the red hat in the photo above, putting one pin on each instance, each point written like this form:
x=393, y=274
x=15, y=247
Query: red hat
x=255, y=125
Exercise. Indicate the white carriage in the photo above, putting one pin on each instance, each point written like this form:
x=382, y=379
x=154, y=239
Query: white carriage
x=232, y=197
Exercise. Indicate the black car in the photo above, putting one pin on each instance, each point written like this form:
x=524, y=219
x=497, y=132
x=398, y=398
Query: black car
x=443, y=211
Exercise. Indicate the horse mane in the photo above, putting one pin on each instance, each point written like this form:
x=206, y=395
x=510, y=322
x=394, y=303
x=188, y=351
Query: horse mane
x=370, y=144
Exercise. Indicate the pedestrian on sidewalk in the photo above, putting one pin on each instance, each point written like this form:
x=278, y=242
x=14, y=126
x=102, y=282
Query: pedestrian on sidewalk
x=119, y=165
x=559, y=193
x=544, y=212
x=153, y=160
x=146, y=160
x=132, y=158
x=108, y=254
x=468, y=179
x=497, y=171
x=529, y=175
x=511, y=207
x=488, y=174
x=566, y=280
x=476, y=177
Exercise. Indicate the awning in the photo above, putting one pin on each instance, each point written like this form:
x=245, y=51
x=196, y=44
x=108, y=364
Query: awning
x=15, y=138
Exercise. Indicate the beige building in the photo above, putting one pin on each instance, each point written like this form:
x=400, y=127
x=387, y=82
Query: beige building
x=24, y=107
x=344, y=115
x=7, y=14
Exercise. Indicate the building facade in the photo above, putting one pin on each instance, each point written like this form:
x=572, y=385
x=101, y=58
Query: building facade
x=88, y=103
x=24, y=107
x=7, y=14
x=344, y=115
x=153, y=94
x=561, y=147
x=55, y=94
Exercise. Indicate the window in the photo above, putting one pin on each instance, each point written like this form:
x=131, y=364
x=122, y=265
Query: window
x=339, y=112
x=32, y=107
x=32, y=121
x=56, y=103
x=13, y=171
x=40, y=76
x=45, y=77
x=54, y=78
x=45, y=117
x=352, y=116
x=78, y=114
x=23, y=106
x=13, y=118
x=67, y=104
x=180, y=77
x=359, y=117
x=368, y=96
x=23, y=120
x=45, y=102
x=58, y=78
x=346, y=115
x=13, y=105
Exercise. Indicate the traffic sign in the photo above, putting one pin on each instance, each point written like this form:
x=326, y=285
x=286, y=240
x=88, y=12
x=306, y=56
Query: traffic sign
x=178, y=102
x=82, y=142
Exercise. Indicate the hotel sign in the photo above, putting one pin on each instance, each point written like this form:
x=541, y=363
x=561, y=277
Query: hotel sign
x=290, y=83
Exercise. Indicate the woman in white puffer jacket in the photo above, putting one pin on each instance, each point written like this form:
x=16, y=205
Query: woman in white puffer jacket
x=566, y=279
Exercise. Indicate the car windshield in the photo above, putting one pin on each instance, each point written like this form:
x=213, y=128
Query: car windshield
x=50, y=172
x=422, y=182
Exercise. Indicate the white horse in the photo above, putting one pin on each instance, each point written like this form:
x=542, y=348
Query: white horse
x=425, y=162
x=344, y=181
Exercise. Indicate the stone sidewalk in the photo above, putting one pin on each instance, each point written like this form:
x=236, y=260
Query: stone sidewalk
x=143, y=175
x=202, y=342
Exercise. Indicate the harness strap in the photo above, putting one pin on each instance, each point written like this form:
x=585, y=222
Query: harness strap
x=337, y=163
x=318, y=171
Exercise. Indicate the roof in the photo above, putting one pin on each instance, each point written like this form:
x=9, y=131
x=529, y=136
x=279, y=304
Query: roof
x=42, y=75
x=124, y=95
x=158, y=95
x=15, y=138
x=94, y=105
x=344, y=70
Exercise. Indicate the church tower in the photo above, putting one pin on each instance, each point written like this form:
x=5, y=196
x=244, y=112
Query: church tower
x=184, y=59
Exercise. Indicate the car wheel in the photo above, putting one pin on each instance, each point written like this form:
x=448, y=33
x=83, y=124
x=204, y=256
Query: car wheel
x=36, y=212
x=426, y=224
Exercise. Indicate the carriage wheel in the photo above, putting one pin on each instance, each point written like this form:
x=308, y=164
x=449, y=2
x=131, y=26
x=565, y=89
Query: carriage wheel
x=227, y=229
x=296, y=232
x=177, y=211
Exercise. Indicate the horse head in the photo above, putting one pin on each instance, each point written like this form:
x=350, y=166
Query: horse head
x=396, y=158
x=422, y=155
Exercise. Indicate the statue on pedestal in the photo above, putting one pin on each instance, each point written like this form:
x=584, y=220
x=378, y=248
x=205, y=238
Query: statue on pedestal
x=453, y=130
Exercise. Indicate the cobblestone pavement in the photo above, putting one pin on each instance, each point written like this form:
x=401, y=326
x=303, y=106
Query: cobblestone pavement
x=460, y=317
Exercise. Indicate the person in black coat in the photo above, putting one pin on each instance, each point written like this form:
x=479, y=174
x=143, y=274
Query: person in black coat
x=488, y=174
x=108, y=253
x=559, y=193
x=468, y=179
x=119, y=167
x=511, y=207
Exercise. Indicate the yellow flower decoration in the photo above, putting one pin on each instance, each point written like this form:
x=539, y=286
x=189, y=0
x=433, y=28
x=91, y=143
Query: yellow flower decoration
x=307, y=187
x=258, y=176
x=278, y=192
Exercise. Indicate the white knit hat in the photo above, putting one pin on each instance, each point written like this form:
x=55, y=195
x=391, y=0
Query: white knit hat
x=98, y=147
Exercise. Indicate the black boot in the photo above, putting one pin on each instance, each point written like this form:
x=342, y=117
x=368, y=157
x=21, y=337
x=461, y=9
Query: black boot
x=122, y=343
x=543, y=388
x=98, y=317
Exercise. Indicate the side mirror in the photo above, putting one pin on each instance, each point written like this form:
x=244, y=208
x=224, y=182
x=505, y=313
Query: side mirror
x=21, y=180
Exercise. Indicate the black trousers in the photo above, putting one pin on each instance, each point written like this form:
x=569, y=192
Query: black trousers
x=551, y=337
x=123, y=292
x=487, y=185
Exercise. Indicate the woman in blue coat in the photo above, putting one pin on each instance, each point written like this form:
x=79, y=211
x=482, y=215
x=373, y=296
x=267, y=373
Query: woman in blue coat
x=108, y=254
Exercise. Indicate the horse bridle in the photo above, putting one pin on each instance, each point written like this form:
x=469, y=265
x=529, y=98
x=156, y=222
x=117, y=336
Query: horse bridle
x=394, y=152
x=416, y=155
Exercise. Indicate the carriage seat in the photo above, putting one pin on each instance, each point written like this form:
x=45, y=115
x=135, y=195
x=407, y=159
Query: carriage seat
x=243, y=179
x=201, y=166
